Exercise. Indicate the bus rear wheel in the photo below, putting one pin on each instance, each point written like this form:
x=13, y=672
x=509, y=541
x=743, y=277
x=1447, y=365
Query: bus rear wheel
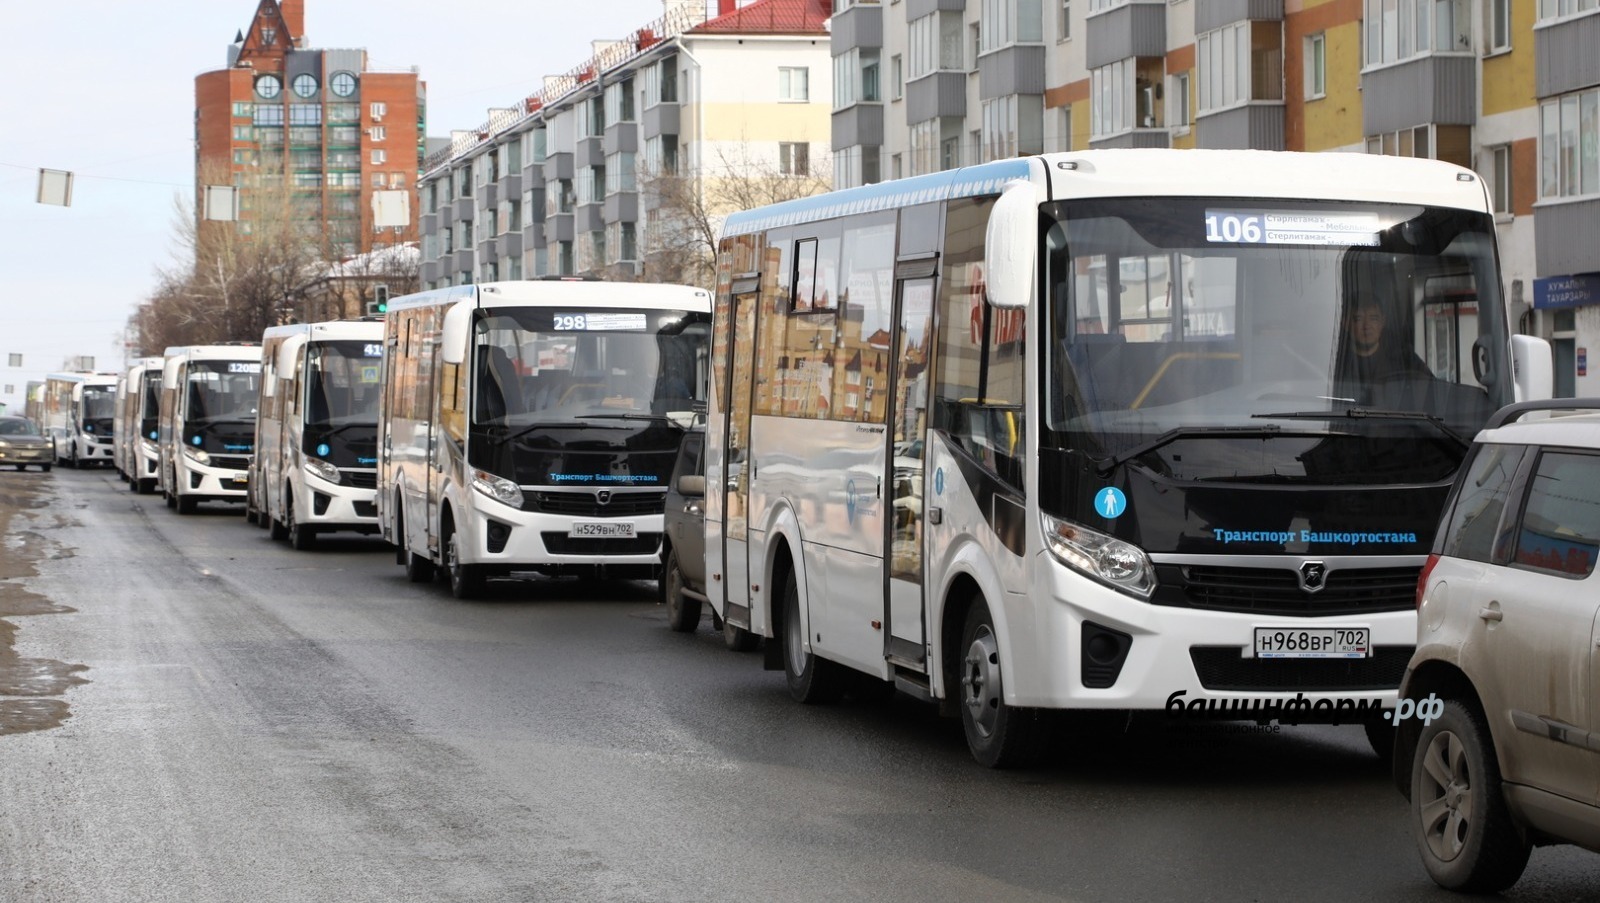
x=812, y=680
x=999, y=735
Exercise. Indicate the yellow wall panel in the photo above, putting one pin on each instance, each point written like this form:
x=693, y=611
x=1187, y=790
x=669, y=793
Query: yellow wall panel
x=762, y=122
x=1508, y=79
x=1335, y=120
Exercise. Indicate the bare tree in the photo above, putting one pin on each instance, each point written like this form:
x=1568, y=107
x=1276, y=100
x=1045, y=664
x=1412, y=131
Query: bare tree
x=687, y=209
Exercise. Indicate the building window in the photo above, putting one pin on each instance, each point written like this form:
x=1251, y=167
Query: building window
x=243, y=108
x=1499, y=12
x=621, y=174
x=794, y=84
x=378, y=133
x=379, y=157
x=1239, y=63
x=1003, y=23
x=268, y=35
x=1111, y=93
x=1064, y=24
x=14, y=360
x=243, y=133
x=1499, y=176
x=935, y=44
x=897, y=80
x=266, y=114
x=1012, y=125
x=1177, y=101
x=1450, y=143
x=379, y=110
x=794, y=158
x=619, y=101
x=1569, y=145
x=1316, y=76
x=343, y=112
x=1398, y=31
x=1550, y=9
x=855, y=77
x=897, y=168
x=305, y=114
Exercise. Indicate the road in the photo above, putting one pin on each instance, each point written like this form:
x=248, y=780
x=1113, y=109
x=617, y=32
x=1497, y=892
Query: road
x=191, y=712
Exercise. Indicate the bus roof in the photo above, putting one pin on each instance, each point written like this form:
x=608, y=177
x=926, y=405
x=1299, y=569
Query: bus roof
x=1154, y=172
x=327, y=330
x=236, y=352
x=552, y=292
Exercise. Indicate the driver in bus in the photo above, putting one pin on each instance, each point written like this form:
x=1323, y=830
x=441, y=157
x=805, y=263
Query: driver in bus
x=1376, y=356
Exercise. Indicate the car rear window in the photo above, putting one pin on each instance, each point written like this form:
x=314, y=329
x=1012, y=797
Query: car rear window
x=1480, y=500
x=1560, y=527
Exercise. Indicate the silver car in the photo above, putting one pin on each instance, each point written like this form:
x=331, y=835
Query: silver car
x=683, y=550
x=22, y=444
x=1498, y=723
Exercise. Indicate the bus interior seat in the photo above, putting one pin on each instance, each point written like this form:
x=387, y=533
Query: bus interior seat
x=499, y=389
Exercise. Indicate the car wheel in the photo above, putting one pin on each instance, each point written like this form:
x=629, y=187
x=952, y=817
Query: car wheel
x=683, y=613
x=738, y=639
x=812, y=680
x=466, y=580
x=301, y=537
x=1463, y=828
x=999, y=735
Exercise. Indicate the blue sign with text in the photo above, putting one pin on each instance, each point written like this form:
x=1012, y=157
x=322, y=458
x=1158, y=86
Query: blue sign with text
x=1566, y=291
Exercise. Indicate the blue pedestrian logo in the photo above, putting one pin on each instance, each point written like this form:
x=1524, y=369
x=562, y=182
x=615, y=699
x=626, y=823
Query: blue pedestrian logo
x=850, y=500
x=197, y=440
x=323, y=449
x=1110, y=502
x=938, y=481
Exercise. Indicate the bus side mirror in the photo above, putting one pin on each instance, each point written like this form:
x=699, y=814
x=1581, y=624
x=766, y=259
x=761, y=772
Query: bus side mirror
x=453, y=337
x=1010, y=244
x=1533, y=367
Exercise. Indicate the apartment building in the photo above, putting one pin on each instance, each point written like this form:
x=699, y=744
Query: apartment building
x=1509, y=88
x=606, y=164
x=318, y=129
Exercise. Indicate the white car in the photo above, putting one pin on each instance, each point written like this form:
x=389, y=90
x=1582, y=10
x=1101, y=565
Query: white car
x=1498, y=722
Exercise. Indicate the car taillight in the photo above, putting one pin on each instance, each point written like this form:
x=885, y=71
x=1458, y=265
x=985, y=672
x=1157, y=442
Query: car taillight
x=1422, y=578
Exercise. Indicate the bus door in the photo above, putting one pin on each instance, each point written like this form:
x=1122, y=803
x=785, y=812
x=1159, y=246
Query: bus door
x=906, y=639
x=429, y=389
x=736, y=461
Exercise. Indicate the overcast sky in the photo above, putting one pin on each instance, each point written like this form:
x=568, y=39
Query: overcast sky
x=105, y=88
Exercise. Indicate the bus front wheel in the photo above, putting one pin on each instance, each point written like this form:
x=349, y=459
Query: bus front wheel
x=812, y=680
x=999, y=735
x=466, y=580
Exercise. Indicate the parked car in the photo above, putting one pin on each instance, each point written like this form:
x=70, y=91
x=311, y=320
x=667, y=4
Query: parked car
x=683, y=548
x=1497, y=745
x=21, y=444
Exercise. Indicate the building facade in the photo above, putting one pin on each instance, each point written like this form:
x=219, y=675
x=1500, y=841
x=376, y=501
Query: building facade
x=317, y=129
x=608, y=169
x=1509, y=88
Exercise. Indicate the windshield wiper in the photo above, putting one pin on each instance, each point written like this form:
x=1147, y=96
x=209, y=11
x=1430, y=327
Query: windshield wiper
x=336, y=430
x=1371, y=414
x=623, y=416
x=543, y=425
x=1104, y=466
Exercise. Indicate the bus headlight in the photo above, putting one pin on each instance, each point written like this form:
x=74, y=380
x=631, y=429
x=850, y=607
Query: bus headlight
x=500, y=489
x=320, y=468
x=1105, y=558
x=197, y=455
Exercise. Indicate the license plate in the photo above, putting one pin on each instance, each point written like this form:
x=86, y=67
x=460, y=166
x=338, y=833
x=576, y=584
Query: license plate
x=601, y=531
x=1313, y=642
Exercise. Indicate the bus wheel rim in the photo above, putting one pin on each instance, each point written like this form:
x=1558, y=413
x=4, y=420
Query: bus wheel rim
x=980, y=681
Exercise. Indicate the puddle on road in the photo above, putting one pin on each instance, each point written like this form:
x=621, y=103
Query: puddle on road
x=35, y=680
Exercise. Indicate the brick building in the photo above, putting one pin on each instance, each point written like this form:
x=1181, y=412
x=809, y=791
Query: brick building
x=318, y=128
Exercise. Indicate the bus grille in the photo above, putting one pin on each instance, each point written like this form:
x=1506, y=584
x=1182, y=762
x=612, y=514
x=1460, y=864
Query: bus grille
x=1276, y=591
x=1222, y=668
x=562, y=544
x=584, y=504
x=360, y=479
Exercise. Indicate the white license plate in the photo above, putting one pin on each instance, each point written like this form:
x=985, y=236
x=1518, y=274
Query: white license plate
x=601, y=531
x=1313, y=642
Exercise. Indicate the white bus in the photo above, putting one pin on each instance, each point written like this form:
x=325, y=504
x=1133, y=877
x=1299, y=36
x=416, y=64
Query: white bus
x=208, y=422
x=315, y=466
x=78, y=416
x=531, y=426
x=1077, y=431
x=136, y=429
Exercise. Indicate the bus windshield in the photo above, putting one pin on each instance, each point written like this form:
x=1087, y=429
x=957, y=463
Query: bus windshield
x=342, y=383
x=150, y=406
x=99, y=402
x=1231, y=338
x=223, y=390
x=542, y=365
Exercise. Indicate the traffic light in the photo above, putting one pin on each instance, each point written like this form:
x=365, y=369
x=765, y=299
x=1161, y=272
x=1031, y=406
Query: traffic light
x=379, y=305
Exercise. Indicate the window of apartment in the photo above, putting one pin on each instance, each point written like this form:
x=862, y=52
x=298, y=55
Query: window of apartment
x=924, y=147
x=1064, y=24
x=308, y=180
x=344, y=112
x=397, y=180
x=1499, y=25
x=660, y=155
x=243, y=108
x=1012, y=125
x=1498, y=175
x=513, y=215
x=491, y=222
x=855, y=77
x=243, y=133
x=513, y=152
x=794, y=83
x=1316, y=60
x=243, y=156
x=514, y=267
x=379, y=157
x=591, y=184
x=1569, y=145
x=935, y=44
x=378, y=180
x=1100, y=6
x=1006, y=22
x=268, y=35
x=1401, y=29
x=619, y=101
x=975, y=31
x=379, y=133
x=1239, y=63
x=794, y=158
x=1064, y=128
x=1177, y=101
x=621, y=244
x=305, y=114
x=266, y=114
x=897, y=167
x=379, y=110
x=1550, y=9
x=1111, y=96
x=897, y=80
x=621, y=174
x=464, y=180
x=1450, y=143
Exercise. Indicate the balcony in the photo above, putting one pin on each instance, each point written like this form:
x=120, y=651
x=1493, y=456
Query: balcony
x=1133, y=29
x=1016, y=69
x=1437, y=89
x=661, y=119
x=935, y=96
x=1214, y=14
x=622, y=207
x=858, y=26
x=1563, y=236
x=860, y=123
x=558, y=166
x=1254, y=126
x=589, y=153
x=1564, y=55
x=621, y=138
x=509, y=244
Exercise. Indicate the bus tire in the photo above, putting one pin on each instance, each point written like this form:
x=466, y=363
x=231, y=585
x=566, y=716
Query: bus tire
x=43, y=467
x=683, y=613
x=466, y=580
x=812, y=680
x=418, y=569
x=187, y=504
x=275, y=528
x=999, y=735
x=301, y=537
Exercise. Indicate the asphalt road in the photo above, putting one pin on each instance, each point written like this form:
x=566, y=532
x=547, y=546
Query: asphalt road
x=191, y=712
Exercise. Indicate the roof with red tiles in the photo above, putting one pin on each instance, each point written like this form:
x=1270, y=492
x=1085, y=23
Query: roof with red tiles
x=772, y=17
